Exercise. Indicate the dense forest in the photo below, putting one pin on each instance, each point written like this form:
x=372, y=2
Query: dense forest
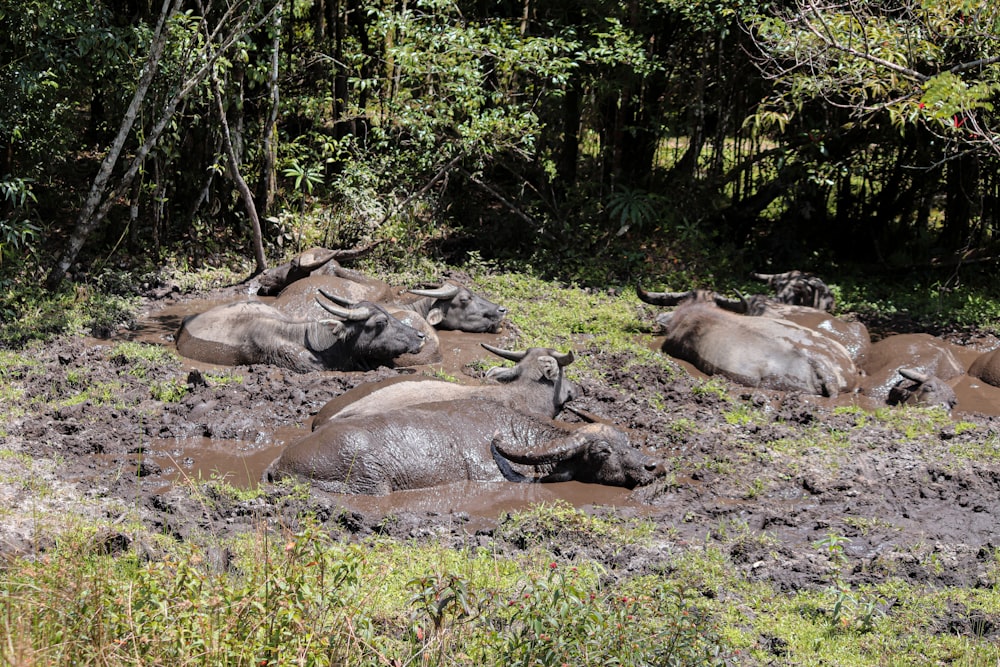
x=655, y=133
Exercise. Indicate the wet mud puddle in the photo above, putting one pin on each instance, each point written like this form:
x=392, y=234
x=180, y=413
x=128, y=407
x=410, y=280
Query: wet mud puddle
x=242, y=463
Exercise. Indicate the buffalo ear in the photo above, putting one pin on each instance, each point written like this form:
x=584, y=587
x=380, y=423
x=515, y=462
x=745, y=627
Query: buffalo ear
x=335, y=326
x=434, y=317
x=549, y=367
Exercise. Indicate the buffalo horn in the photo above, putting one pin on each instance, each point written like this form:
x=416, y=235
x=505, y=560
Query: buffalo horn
x=443, y=292
x=347, y=314
x=563, y=449
x=510, y=355
x=662, y=298
x=337, y=299
x=913, y=374
x=734, y=305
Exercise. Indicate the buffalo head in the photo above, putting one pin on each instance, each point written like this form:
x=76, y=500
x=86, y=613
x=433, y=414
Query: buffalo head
x=595, y=453
x=461, y=309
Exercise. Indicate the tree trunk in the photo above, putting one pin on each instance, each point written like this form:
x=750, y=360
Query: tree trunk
x=86, y=221
x=268, y=183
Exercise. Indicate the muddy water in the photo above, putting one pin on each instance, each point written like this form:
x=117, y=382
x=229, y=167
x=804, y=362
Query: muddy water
x=242, y=463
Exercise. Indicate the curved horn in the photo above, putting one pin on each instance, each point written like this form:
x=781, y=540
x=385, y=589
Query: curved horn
x=764, y=276
x=503, y=464
x=443, y=292
x=562, y=358
x=913, y=374
x=733, y=305
x=505, y=354
x=561, y=449
x=339, y=300
x=347, y=314
x=662, y=298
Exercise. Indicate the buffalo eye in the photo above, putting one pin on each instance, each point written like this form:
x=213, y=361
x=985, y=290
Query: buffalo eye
x=380, y=322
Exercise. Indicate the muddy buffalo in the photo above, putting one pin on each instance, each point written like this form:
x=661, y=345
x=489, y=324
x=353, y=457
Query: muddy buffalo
x=853, y=335
x=251, y=332
x=535, y=385
x=921, y=389
x=986, y=367
x=798, y=288
x=451, y=441
x=460, y=308
x=919, y=352
x=752, y=351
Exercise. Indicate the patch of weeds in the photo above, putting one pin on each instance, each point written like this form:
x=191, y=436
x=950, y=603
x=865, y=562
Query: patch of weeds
x=743, y=414
x=914, y=422
x=861, y=416
x=866, y=525
x=987, y=450
x=755, y=489
x=439, y=374
x=560, y=620
x=168, y=391
x=223, y=378
x=715, y=387
x=564, y=310
x=102, y=393
x=141, y=358
x=850, y=609
x=559, y=522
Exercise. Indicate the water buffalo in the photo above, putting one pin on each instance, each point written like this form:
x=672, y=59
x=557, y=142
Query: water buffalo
x=986, y=367
x=921, y=389
x=298, y=300
x=251, y=332
x=853, y=336
x=919, y=352
x=314, y=261
x=535, y=385
x=752, y=351
x=450, y=441
x=461, y=309
x=799, y=289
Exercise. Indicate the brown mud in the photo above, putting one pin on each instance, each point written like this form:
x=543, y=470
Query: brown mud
x=764, y=488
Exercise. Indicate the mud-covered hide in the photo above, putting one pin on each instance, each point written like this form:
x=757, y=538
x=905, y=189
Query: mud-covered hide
x=251, y=332
x=430, y=353
x=919, y=352
x=853, y=335
x=752, y=351
x=298, y=300
x=798, y=288
x=315, y=261
x=986, y=367
x=536, y=385
x=451, y=441
x=460, y=308
x=919, y=389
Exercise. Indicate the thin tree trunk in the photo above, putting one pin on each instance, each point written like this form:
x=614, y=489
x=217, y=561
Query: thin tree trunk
x=86, y=221
x=268, y=176
x=241, y=184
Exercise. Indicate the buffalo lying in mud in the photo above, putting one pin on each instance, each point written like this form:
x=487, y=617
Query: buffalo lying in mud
x=460, y=309
x=986, y=367
x=535, y=385
x=919, y=352
x=799, y=289
x=315, y=261
x=251, y=332
x=451, y=441
x=752, y=351
x=853, y=336
x=921, y=389
x=447, y=307
x=298, y=300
